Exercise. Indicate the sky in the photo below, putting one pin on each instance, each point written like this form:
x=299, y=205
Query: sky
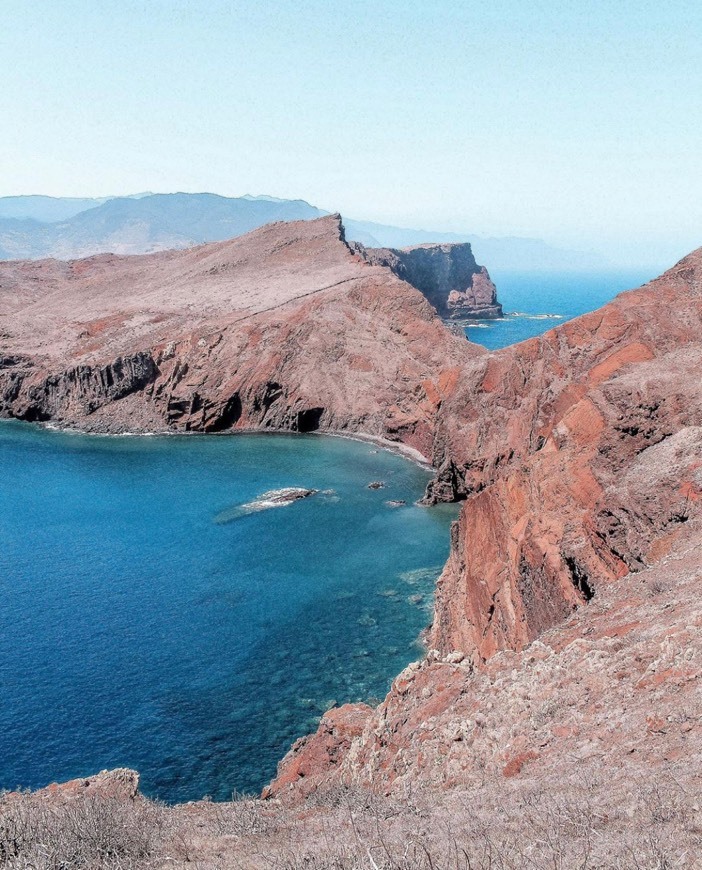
x=576, y=122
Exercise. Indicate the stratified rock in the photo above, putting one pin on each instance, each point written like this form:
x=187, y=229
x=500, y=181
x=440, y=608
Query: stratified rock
x=545, y=440
x=446, y=274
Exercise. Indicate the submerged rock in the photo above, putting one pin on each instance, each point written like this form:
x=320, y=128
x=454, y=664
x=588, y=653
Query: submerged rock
x=271, y=499
x=376, y=484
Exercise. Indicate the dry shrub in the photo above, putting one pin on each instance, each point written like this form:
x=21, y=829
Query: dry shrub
x=90, y=832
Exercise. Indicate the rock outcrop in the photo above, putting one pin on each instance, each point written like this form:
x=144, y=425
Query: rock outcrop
x=541, y=439
x=446, y=274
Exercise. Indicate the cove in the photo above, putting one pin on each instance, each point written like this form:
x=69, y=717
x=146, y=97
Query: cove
x=137, y=629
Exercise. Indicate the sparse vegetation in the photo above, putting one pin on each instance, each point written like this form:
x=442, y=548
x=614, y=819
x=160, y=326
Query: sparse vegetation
x=588, y=825
x=90, y=832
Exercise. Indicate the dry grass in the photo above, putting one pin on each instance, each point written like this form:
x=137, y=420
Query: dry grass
x=611, y=822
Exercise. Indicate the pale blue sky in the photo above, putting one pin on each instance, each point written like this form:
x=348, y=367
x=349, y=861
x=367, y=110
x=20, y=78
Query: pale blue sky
x=580, y=123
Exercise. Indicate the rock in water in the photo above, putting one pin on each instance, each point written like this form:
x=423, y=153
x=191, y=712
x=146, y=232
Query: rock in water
x=272, y=499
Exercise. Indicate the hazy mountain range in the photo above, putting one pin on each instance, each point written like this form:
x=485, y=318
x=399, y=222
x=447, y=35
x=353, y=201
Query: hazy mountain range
x=33, y=227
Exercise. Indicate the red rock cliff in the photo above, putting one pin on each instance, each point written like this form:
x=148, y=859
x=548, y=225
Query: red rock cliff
x=580, y=458
x=446, y=274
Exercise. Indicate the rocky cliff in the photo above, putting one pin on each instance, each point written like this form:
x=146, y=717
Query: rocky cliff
x=578, y=457
x=447, y=275
x=285, y=328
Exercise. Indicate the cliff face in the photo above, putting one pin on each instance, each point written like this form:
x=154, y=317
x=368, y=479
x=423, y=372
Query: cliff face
x=579, y=455
x=544, y=440
x=286, y=328
x=446, y=274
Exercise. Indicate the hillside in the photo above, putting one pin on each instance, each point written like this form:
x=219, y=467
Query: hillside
x=286, y=327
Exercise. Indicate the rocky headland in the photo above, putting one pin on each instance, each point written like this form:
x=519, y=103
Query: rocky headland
x=446, y=274
x=287, y=328
x=565, y=648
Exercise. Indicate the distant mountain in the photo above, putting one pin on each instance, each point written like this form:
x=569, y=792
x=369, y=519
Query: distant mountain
x=46, y=209
x=32, y=227
x=150, y=223
x=49, y=209
x=510, y=253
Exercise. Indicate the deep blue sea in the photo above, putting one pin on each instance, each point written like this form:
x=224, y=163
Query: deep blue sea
x=149, y=620
x=534, y=303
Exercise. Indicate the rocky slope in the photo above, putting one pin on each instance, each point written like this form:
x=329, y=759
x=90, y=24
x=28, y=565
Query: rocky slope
x=447, y=275
x=286, y=328
x=579, y=455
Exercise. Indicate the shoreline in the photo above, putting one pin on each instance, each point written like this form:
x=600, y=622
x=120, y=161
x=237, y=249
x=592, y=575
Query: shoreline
x=397, y=447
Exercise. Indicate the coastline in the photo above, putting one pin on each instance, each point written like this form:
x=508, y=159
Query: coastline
x=397, y=447
x=420, y=638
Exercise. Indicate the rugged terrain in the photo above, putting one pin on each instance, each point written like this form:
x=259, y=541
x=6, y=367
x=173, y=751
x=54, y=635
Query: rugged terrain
x=556, y=720
x=446, y=274
x=285, y=328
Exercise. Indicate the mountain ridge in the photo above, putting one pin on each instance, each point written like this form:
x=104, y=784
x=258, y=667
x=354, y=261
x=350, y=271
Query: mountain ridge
x=68, y=228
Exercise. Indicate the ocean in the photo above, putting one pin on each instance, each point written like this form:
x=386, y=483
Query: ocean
x=157, y=614
x=534, y=303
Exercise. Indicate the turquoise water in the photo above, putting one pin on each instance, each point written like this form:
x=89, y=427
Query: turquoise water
x=534, y=303
x=136, y=630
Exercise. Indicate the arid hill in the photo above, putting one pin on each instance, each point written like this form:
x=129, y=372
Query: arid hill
x=285, y=328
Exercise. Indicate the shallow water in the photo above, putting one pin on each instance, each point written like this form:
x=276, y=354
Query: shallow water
x=136, y=630
x=534, y=303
